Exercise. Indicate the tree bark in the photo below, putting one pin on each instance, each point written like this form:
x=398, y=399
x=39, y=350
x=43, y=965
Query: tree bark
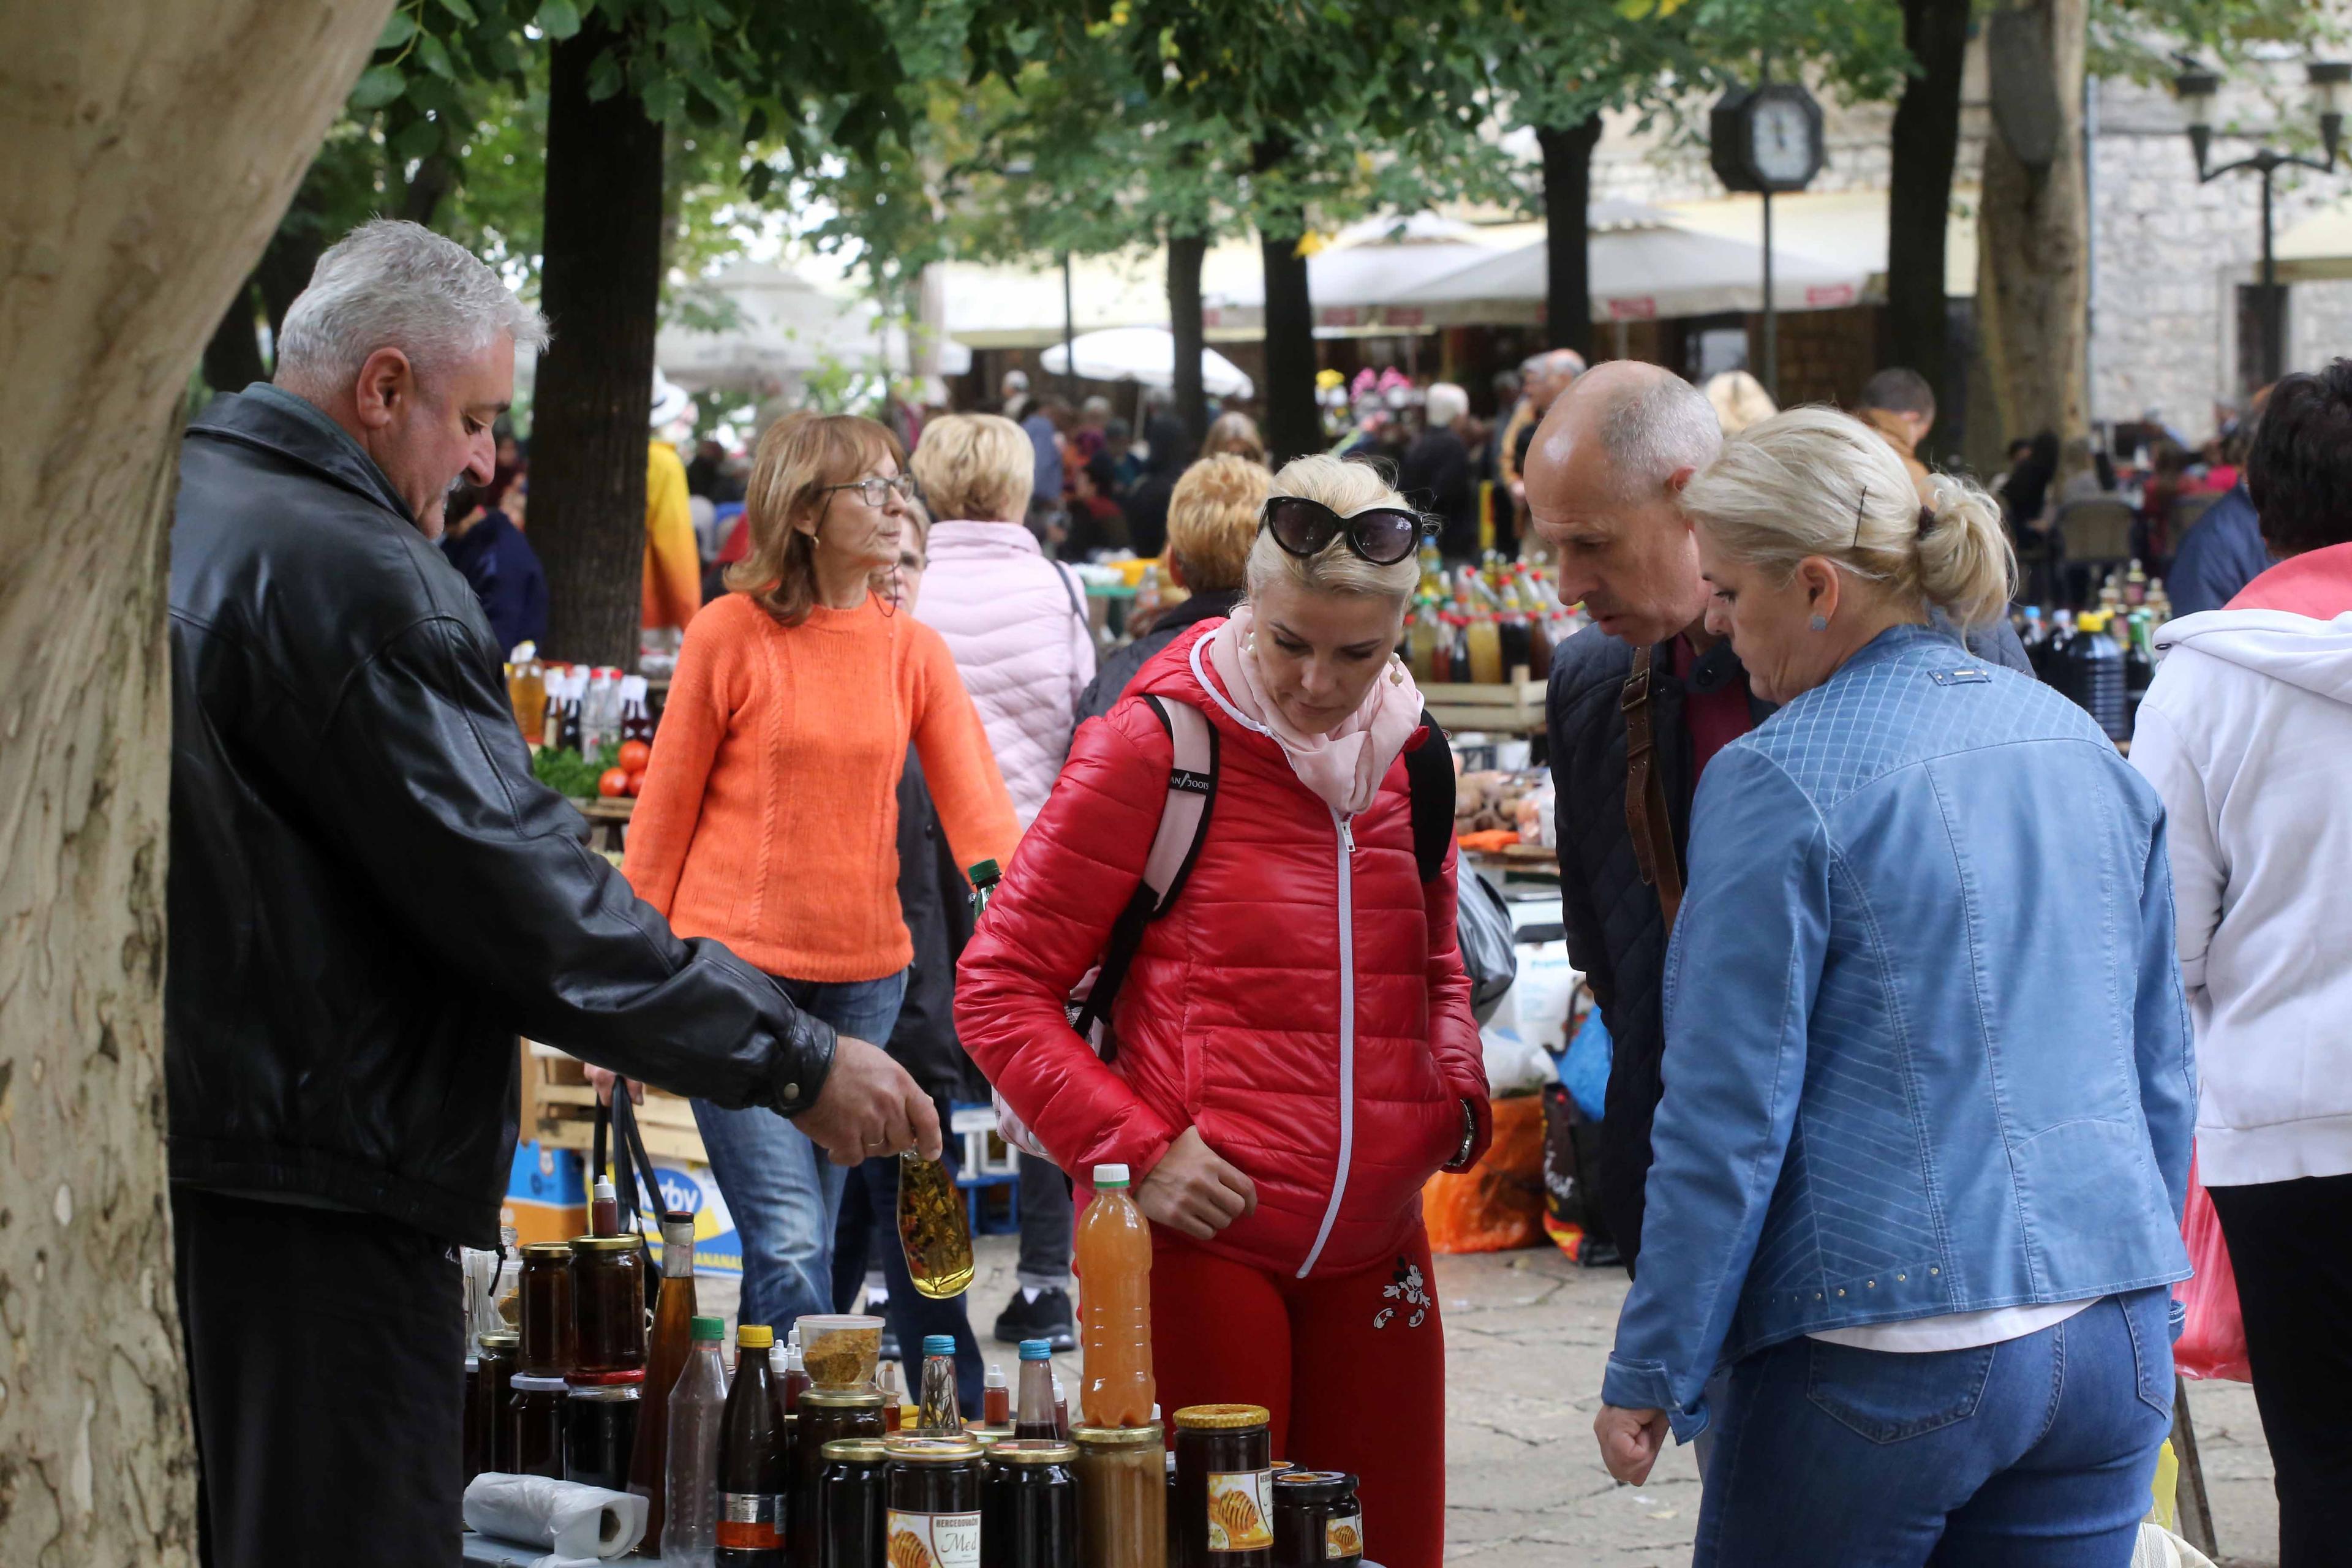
x=1185, y=253
x=1925, y=141
x=233, y=358
x=1293, y=425
x=148, y=162
x=2034, y=238
x=600, y=283
x=1567, y=271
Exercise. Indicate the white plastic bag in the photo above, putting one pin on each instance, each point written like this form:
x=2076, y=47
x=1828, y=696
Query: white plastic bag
x=572, y=1520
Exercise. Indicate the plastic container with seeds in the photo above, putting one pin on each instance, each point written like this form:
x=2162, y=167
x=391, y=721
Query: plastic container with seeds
x=839, y=1351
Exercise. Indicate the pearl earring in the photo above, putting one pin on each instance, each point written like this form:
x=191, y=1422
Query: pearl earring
x=1819, y=623
x=1249, y=645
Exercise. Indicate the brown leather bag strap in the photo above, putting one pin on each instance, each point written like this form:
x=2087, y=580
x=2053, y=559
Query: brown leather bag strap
x=1646, y=818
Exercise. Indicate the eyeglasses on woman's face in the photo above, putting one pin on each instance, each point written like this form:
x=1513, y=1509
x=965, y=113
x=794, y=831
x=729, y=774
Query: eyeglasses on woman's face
x=875, y=490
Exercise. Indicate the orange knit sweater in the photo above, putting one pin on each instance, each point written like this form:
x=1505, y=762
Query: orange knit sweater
x=769, y=815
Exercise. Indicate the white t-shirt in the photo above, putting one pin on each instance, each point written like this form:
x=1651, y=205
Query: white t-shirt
x=1954, y=1330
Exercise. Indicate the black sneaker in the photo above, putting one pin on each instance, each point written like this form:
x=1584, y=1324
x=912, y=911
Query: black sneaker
x=1047, y=1318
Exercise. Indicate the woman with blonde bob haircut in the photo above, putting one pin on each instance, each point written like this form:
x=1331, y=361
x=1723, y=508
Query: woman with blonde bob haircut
x=1213, y=521
x=769, y=818
x=1920, y=1160
x=1295, y=1052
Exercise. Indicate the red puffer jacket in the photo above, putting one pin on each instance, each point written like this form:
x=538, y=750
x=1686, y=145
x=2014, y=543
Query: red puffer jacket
x=1302, y=1003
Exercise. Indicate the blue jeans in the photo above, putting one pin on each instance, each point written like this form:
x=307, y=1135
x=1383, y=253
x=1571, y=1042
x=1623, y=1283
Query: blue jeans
x=2037, y=1453
x=782, y=1191
x=869, y=1234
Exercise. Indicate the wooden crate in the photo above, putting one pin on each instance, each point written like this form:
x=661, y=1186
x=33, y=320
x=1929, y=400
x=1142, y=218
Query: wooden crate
x=1513, y=708
x=559, y=1109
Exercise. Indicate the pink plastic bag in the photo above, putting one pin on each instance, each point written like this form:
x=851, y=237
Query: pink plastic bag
x=2214, y=1342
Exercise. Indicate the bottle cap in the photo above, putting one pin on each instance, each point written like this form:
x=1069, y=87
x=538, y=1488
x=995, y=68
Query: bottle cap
x=939, y=1344
x=711, y=1329
x=1109, y=1176
x=605, y=1189
x=1036, y=1349
x=996, y=1378
x=754, y=1336
x=984, y=872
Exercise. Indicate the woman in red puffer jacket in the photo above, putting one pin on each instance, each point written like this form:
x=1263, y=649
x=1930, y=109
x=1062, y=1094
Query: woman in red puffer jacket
x=1296, y=1054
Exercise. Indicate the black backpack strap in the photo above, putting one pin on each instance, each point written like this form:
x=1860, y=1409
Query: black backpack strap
x=1175, y=848
x=1429, y=772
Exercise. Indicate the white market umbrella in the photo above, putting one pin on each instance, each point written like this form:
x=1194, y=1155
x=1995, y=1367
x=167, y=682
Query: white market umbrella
x=1638, y=273
x=1145, y=355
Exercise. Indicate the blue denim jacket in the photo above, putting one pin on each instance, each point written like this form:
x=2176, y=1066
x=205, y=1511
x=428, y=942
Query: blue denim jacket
x=1927, y=1050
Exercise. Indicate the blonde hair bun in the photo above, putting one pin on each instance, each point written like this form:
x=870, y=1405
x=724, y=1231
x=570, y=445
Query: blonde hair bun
x=1815, y=482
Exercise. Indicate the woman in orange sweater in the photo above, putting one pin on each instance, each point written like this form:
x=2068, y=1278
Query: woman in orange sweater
x=769, y=818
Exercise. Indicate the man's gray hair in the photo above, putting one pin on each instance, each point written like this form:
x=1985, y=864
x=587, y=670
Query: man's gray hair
x=1652, y=430
x=389, y=284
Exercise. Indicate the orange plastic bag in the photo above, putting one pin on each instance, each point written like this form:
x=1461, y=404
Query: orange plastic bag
x=1496, y=1204
x=2213, y=1342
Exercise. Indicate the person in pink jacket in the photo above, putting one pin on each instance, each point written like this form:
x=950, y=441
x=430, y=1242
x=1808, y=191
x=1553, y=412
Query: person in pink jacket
x=1016, y=624
x=1015, y=621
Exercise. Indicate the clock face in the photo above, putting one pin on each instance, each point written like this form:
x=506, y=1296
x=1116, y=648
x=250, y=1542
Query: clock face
x=1782, y=141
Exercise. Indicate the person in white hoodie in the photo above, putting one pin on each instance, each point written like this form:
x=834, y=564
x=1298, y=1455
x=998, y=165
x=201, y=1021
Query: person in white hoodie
x=2247, y=734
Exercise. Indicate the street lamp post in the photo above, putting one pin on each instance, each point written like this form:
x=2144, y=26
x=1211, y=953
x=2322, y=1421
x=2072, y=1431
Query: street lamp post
x=2196, y=88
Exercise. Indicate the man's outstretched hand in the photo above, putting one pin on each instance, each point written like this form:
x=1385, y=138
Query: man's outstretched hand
x=869, y=1107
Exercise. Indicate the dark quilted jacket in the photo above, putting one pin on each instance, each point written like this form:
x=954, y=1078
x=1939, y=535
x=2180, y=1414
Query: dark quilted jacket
x=1616, y=931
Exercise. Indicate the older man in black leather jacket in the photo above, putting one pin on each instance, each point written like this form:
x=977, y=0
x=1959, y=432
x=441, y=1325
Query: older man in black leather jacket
x=370, y=896
x=1602, y=476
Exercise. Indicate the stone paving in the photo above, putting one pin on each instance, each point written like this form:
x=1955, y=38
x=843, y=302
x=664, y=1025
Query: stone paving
x=1527, y=1334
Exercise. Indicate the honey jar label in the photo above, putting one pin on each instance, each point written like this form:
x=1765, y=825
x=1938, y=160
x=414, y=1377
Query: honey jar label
x=750, y=1521
x=1240, y=1511
x=1343, y=1538
x=933, y=1541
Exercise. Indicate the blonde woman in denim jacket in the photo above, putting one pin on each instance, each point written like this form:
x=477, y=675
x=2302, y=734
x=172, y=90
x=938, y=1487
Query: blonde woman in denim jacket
x=1929, y=1094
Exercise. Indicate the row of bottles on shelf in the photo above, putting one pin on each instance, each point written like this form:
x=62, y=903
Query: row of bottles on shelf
x=2106, y=657
x=1479, y=624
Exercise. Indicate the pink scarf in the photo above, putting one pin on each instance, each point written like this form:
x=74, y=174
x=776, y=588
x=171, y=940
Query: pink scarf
x=1344, y=768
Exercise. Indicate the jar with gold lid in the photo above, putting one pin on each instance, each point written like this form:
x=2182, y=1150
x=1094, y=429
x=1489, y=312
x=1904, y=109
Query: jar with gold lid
x=608, y=1303
x=935, y=1493
x=1225, y=1486
x=544, y=1306
x=1029, y=1516
x=1122, y=1496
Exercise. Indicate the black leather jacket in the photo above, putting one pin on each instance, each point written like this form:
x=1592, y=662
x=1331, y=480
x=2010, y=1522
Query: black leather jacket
x=1616, y=930
x=369, y=894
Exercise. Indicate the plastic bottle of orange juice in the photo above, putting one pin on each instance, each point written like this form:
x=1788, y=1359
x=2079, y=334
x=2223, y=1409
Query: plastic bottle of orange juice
x=1115, y=1320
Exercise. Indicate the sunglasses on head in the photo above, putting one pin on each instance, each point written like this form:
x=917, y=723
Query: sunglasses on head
x=1382, y=535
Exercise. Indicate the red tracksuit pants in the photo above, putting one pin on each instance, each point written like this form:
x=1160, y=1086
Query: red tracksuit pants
x=1352, y=1367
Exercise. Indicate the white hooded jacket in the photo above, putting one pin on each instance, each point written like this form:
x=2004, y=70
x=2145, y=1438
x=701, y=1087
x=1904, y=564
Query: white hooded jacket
x=2247, y=733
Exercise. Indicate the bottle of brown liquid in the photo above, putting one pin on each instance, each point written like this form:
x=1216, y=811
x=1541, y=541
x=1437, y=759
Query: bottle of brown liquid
x=673, y=1340
x=752, y=1459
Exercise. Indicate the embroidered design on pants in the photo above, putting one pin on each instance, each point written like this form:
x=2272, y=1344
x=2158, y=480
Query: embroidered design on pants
x=1408, y=1289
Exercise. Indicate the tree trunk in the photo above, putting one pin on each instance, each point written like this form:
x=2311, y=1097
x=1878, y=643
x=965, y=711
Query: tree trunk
x=148, y=163
x=1185, y=252
x=2033, y=281
x=233, y=358
x=1567, y=273
x=1926, y=138
x=1294, y=424
x=600, y=283
x=436, y=177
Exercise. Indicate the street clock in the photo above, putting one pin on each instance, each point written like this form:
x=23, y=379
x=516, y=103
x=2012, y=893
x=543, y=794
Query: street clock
x=1766, y=137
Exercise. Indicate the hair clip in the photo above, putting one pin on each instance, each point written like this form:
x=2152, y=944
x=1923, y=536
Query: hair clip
x=1927, y=520
x=1858, y=505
